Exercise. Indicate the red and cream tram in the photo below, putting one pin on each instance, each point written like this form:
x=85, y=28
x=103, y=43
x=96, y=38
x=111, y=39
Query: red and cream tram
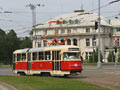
x=53, y=60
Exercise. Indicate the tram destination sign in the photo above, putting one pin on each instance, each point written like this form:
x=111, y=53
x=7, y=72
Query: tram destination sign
x=73, y=49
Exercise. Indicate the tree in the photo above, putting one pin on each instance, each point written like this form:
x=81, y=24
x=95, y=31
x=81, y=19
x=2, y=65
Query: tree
x=95, y=55
x=9, y=43
x=111, y=57
x=2, y=33
x=12, y=44
x=3, y=46
x=26, y=43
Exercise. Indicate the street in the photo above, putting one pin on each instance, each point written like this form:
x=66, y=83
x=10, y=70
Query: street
x=108, y=76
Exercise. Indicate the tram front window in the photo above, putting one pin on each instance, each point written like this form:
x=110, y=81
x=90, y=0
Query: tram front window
x=71, y=56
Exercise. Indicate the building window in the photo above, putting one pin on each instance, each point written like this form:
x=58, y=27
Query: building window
x=64, y=22
x=76, y=21
x=86, y=53
x=71, y=22
x=87, y=30
x=69, y=30
x=62, y=41
x=68, y=42
x=39, y=44
x=75, y=42
x=87, y=42
x=62, y=31
x=118, y=29
x=44, y=43
x=90, y=53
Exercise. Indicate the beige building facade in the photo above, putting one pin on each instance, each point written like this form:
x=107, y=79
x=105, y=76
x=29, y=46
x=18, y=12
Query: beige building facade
x=81, y=29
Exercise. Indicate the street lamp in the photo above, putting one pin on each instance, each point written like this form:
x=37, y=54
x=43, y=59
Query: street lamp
x=33, y=8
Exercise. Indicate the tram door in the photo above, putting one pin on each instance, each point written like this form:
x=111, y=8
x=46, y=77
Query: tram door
x=29, y=62
x=56, y=58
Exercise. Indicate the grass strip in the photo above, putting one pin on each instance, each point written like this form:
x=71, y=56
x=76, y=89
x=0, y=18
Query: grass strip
x=47, y=83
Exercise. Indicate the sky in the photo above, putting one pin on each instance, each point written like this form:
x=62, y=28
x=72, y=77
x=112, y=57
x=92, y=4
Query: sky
x=21, y=17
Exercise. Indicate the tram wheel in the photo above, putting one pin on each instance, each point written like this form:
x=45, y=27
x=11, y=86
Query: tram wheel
x=45, y=74
x=21, y=74
x=66, y=76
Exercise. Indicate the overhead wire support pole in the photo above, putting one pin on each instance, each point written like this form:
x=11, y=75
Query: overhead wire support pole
x=33, y=8
x=99, y=27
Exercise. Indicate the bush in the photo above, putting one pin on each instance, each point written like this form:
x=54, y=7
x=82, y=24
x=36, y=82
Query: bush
x=118, y=57
x=111, y=57
x=95, y=57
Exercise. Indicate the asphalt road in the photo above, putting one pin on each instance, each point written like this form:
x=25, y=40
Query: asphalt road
x=7, y=71
x=106, y=69
x=89, y=69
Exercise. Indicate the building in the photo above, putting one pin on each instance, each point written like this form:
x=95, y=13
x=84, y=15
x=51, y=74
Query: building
x=115, y=22
x=81, y=28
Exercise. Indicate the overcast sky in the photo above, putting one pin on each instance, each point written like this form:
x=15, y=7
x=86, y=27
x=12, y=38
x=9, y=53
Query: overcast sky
x=21, y=18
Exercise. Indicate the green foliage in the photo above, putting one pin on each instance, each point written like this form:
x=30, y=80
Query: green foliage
x=2, y=33
x=31, y=33
x=47, y=83
x=119, y=57
x=86, y=59
x=95, y=56
x=10, y=42
x=111, y=57
x=26, y=43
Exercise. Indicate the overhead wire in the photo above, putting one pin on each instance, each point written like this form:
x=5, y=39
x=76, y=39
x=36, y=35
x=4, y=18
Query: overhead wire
x=76, y=16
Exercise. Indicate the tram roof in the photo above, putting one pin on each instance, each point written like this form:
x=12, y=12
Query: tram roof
x=36, y=49
x=21, y=50
x=58, y=47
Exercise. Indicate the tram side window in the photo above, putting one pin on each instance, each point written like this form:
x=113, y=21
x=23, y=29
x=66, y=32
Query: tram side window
x=23, y=56
x=41, y=56
x=18, y=57
x=34, y=55
x=47, y=55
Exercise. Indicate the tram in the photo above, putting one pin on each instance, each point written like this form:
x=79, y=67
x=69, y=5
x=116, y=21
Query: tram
x=60, y=60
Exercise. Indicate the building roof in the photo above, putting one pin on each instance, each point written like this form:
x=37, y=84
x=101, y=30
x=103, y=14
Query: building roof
x=84, y=19
x=115, y=22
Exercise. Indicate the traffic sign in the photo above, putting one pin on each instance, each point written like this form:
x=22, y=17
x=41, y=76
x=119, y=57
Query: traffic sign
x=116, y=38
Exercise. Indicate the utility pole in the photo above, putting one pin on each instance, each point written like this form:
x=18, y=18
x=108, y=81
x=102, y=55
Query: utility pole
x=99, y=26
x=33, y=8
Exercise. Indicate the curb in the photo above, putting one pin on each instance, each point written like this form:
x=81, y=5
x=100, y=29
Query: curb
x=7, y=86
x=101, y=69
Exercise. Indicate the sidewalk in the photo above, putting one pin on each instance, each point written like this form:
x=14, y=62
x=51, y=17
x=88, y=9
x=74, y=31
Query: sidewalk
x=104, y=67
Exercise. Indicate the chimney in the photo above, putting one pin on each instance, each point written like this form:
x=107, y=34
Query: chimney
x=79, y=11
x=116, y=17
